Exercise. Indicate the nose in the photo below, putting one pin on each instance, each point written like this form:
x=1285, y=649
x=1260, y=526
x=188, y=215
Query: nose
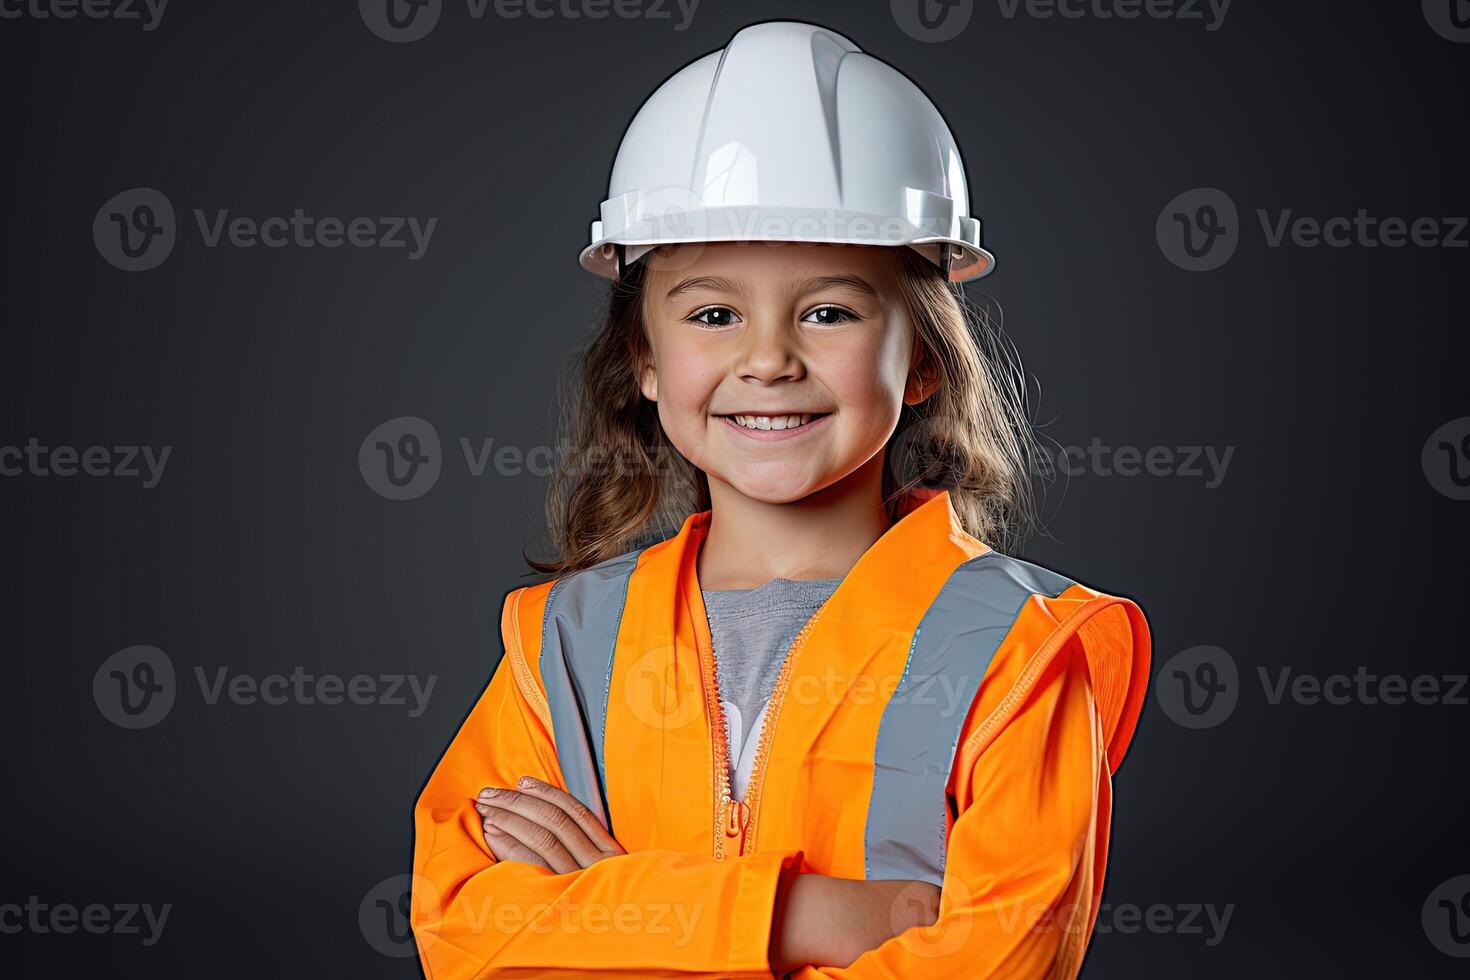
x=768, y=353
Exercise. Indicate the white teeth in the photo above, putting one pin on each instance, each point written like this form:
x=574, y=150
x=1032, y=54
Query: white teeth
x=772, y=421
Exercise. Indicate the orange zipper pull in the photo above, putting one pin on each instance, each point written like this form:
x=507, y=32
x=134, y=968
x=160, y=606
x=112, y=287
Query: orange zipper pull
x=737, y=815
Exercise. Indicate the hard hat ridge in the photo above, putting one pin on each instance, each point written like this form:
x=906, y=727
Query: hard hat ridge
x=789, y=133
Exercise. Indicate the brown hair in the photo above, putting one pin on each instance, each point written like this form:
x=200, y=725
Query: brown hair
x=621, y=484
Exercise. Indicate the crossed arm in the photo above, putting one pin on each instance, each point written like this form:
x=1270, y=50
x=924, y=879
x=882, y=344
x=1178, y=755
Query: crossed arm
x=1022, y=877
x=816, y=919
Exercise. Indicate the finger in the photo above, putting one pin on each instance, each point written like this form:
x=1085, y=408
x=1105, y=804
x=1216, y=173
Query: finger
x=507, y=848
x=575, y=809
x=554, y=819
x=504, y=846
x=529, y=833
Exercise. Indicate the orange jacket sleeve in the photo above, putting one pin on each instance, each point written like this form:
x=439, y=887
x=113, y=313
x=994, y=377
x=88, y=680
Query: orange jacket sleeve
x=1024, y=864
x=653, y=913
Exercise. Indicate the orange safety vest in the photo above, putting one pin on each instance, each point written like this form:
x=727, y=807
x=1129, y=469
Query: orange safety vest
x=949, y=714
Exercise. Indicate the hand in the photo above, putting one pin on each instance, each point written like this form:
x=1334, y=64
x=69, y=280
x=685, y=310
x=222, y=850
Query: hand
x=540, y=824
x=824, y=921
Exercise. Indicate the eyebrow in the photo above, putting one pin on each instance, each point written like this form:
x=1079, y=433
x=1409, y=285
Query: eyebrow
x=855, y=283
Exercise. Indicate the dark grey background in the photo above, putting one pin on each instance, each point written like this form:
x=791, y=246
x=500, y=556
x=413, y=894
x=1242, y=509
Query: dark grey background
x=262, y=548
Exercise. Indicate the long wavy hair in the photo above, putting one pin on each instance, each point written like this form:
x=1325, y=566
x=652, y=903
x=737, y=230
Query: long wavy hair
x=620, y=484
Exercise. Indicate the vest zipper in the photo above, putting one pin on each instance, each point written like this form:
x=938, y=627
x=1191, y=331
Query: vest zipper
x=735, y=819
x=727, y=809
x=752, y=802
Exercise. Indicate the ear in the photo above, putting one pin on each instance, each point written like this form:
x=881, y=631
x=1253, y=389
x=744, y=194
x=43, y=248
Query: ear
x=923, y=381
x=648, y=380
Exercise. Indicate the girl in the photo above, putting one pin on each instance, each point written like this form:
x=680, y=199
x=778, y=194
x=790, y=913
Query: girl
x=826, y=728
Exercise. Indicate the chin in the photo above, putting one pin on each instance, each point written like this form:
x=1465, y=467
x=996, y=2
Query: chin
x=779, y=491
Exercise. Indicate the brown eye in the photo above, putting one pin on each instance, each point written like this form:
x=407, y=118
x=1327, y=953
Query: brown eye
x=831, y=316
x=723, y=315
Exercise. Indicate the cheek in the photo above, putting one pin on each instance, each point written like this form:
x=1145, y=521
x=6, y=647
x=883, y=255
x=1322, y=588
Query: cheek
x=869, y=377
x=686, y=379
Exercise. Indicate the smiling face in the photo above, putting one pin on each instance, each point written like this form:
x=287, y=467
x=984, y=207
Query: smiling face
x=744, y=336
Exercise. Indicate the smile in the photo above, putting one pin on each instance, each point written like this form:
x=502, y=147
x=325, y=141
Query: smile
x=769, y=427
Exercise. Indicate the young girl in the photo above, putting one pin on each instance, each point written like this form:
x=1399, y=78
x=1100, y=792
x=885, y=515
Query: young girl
x=826, y=728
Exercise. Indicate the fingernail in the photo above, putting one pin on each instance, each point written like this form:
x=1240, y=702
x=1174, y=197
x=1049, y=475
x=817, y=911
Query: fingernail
x=489, y=794
x=526, y=782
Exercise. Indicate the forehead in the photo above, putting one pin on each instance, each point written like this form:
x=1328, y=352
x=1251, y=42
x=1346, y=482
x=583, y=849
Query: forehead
x=766, y=267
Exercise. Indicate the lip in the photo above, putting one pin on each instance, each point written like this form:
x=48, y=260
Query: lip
x=771, y=435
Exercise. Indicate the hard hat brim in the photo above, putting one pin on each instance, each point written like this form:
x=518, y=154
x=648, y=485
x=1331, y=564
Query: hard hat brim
x=968, y=259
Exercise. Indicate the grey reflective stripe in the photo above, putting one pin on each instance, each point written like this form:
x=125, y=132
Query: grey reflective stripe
x=920, y=729
x=579, y=633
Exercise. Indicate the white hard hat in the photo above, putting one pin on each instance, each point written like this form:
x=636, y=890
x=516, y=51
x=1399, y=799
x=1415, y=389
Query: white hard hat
x=790, y=133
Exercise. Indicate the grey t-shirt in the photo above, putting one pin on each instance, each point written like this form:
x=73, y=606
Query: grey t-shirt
x=751, y=630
